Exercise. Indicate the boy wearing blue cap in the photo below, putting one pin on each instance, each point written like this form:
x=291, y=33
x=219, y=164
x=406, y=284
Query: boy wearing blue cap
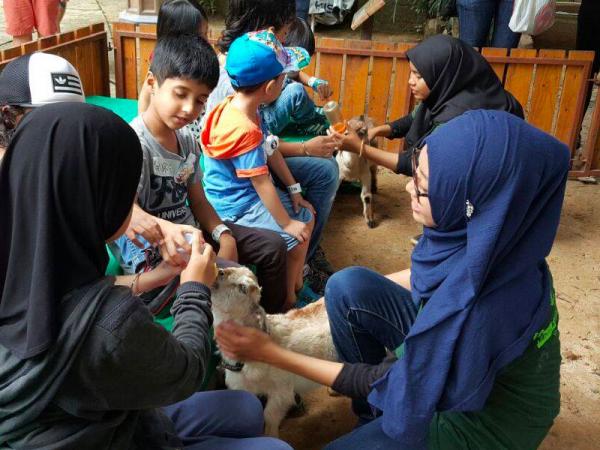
x=240, y=153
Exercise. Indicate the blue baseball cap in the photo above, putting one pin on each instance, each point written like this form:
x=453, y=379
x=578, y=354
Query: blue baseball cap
x=258, y=56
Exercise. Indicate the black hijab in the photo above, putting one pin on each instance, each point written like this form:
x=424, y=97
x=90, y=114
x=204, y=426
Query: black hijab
x=67, y=183
x=459, y=80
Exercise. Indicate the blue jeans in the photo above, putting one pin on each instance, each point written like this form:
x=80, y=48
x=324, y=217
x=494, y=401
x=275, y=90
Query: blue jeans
x=222, y=420
x=368, y=436
x=475, y=19
x=259, y=216
x=292, y=106
x=319, y=180
x=302, y=7
x=368, y=314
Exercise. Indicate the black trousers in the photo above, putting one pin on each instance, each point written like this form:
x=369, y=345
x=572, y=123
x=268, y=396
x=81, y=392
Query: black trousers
x=267, y=251
x=588, y=37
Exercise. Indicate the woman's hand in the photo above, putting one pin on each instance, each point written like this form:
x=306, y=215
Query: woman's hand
x=321, y=146
x=382, y=130
x=201, y=267
x=350, y=141
x=299, y=202
x=240, y=343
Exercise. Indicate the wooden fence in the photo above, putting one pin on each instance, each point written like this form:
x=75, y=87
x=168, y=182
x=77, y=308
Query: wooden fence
x=372, y=77
x=85, y=48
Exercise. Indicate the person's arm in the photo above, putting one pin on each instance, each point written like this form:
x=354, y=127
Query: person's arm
x=384, y=130
x=351, y=142
x=250, y=344
x=319, y=146
x=321, y=87
x=161, y=275
x=402, y=278
x=166, y=235
x=206, y=215
x=399, y=128
x=279, y=167
x=268, y=195
x=128, y=362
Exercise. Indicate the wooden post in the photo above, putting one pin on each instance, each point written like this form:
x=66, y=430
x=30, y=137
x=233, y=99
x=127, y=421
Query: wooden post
x=364, y=17
x=366, y=31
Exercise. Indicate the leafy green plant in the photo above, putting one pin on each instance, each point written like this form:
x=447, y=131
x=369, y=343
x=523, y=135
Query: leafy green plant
x=433, y=8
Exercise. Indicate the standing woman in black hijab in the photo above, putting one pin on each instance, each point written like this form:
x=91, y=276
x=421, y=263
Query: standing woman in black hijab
x=448, y=77
x=82, y=364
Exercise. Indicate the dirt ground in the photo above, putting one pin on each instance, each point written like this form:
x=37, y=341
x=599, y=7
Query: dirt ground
x=575, y=263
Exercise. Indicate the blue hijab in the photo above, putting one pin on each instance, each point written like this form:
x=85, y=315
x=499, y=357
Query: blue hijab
x=496, y=187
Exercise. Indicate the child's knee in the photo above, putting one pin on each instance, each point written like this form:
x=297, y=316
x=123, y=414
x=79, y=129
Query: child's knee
x=297, y=92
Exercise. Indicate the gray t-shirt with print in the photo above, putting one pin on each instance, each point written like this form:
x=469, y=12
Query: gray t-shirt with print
x=165, y=178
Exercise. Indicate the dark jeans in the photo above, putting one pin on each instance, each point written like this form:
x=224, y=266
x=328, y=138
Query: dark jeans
x=368, y=314
x=266, y=250
x=302, y=7
x=222, y=420
x=588, y=37
x=475, y=19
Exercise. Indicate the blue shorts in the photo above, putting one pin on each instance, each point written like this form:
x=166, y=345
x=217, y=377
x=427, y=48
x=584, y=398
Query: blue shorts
x=258, y=216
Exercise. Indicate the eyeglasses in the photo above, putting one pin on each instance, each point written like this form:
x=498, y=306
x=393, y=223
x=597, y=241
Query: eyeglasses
x=415, y=164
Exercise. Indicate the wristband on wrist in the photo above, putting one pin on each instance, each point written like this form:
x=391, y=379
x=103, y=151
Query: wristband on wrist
x=134, y=283
x=218, y=231
x=304, y=149
x=294, y=189
x=315, y=82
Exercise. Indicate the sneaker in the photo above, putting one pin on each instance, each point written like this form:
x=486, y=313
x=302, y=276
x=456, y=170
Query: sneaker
x=305, y=296
x=319, y=262
x=316, y=279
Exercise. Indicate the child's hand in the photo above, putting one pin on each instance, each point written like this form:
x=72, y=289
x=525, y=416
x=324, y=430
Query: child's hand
x=321, y=146
x=298, y=229
x=321, y=87
x=174, y=241
x=350, y=141
x=201, y=268
x=299, y=202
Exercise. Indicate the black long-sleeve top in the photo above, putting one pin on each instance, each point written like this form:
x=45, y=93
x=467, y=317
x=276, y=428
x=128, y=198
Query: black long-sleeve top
x=399, y=129
x=355, y=380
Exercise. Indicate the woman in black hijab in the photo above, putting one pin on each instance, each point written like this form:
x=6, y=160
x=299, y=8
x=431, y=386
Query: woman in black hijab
x=82, y=364
x=448, y=77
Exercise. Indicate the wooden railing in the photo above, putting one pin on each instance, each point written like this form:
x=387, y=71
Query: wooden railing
x=85, y=48
x=372, y=77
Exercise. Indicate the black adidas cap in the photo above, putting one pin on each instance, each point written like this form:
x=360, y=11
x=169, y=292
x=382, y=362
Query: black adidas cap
x=39, y=79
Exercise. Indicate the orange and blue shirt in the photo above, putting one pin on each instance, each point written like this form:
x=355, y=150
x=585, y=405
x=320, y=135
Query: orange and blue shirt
x=234, y=152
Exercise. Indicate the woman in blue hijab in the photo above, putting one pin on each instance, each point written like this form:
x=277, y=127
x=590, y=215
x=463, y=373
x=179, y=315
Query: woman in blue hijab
x=473, y=324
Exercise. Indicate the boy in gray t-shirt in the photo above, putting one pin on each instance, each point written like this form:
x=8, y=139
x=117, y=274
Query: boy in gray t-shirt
x=184, y=71
x=166, y=176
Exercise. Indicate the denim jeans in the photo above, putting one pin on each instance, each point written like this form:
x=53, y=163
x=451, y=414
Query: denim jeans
x=292, y=106
x=368, y=314
x=205, y=421
x=302, y=7
x=475, y=19
x=319, y=180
